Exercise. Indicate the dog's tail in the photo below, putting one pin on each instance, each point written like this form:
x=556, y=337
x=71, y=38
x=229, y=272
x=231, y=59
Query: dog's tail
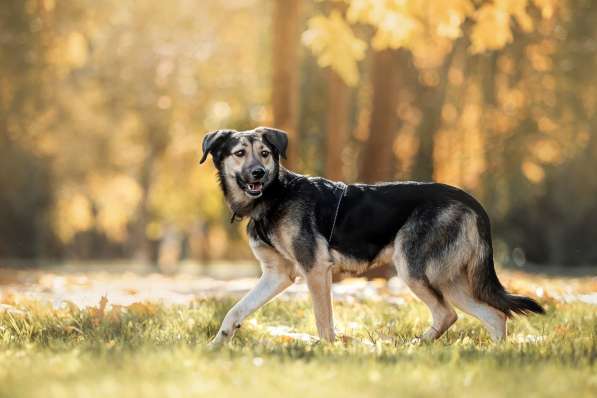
x=487, y=287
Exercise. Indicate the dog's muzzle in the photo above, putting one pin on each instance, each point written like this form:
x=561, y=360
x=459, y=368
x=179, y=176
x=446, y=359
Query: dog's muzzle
x=254, y=184
x=254, y=189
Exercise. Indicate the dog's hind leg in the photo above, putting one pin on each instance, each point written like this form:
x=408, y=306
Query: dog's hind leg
x=319, y=281
x=494, y=320
x=442, y=313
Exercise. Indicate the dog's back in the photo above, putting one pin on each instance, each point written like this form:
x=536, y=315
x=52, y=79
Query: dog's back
x=437, y=236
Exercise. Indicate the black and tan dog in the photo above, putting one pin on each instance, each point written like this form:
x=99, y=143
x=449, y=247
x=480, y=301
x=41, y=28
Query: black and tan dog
x=437, y=236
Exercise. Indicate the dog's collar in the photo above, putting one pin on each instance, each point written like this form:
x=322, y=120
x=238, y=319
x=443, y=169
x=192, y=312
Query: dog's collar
x=339, y=185
x=344, y=188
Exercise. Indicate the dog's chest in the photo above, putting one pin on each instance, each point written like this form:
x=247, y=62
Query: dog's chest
x=351, y=266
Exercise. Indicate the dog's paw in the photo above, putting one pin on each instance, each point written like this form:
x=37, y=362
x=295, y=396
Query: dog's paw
x=216, y=342
x=213, y=345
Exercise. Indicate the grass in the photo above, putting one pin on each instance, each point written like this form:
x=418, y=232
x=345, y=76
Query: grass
x=151, y=350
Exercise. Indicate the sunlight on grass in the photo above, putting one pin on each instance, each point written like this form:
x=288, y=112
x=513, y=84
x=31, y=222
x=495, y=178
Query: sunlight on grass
x=154, y=350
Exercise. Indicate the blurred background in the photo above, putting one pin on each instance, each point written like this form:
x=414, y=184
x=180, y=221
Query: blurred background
x=103, y=106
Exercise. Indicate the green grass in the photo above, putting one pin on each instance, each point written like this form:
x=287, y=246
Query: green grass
x=159, y=351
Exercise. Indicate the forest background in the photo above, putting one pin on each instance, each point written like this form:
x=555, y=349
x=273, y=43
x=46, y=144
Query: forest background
x=103, y=106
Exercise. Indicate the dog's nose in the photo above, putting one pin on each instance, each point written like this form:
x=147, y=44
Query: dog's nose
x=258, y=172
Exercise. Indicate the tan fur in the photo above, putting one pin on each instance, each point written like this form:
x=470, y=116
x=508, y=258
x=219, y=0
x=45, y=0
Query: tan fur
x=283, y=237
x=348, y=266
x=453, y=264
x=233, y=165
x=319, y=282
x=459, y=293
x=277, y=275
x=399, y=258
x=442, y=313
x=449, y=276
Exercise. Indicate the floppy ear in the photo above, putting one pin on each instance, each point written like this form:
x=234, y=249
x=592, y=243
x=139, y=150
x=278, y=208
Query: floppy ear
x=276, y=138
x=212, y=140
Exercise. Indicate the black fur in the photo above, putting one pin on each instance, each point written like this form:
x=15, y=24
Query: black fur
x=213, y=142
x=370, y=216
x=304, y=244
x=277, y=139
x=368, y=220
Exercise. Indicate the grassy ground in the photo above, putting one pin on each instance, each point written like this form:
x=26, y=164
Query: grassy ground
x=149, y=350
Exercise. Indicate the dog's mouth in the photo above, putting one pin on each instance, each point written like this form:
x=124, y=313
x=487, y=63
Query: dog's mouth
x=254, y=189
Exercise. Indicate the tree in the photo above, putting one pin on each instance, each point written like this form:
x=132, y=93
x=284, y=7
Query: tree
x=377, y=158
x=337, y=126
x=428, y=33
x=286, y=21
x=431, y=97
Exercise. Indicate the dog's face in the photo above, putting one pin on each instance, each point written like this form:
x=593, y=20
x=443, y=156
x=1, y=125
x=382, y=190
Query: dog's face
x=247, y=160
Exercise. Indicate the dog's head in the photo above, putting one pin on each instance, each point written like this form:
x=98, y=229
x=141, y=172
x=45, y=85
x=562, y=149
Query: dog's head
x=246, y=160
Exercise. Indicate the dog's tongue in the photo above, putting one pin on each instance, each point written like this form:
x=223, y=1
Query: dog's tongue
x=255, y=186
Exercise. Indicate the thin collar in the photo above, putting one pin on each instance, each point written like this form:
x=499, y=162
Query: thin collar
x=344, y=188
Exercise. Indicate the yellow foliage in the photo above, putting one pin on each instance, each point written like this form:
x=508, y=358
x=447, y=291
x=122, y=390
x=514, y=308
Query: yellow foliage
x=117, y=197
x=394, y=21
x=76, y=51
x=450, y=16
x=73, y=214
x=533, y=172
x=201, y=196
x=547, y=151
x=493, y=22
x=49, y=5
x=424, y=27
x=492, y=30
x=333, y=42
x=547, y=7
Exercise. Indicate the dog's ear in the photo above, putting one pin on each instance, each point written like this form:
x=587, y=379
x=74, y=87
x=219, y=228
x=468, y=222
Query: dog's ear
x=212, y=141
x=276, y=138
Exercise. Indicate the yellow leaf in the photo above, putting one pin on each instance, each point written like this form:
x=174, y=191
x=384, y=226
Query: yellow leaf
x=533, y=172
x=334, y=44
x=492, y=30
x=547, y=7
x=97, y=314
x=142, y=309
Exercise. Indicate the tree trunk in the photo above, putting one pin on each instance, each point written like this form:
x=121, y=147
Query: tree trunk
x=336, y=125
x=285, y=72
x=142, y=247
x=430, y=101
x=157, y=142
x=494, y=162
x=377, y=158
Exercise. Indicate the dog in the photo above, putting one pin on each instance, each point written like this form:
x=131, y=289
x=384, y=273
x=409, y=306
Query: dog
x=437, y=236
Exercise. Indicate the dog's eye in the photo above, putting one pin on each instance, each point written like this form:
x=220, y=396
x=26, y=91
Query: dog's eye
x=240, y=153
x=265, y=153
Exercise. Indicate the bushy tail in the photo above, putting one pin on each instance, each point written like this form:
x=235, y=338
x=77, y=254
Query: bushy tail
x=484, y=281
x=487, y=288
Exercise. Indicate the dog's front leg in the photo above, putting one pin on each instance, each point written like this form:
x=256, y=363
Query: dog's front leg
x=271, y=283
x=319, y=281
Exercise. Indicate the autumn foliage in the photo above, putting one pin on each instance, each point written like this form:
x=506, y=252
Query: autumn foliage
x=103, y=106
